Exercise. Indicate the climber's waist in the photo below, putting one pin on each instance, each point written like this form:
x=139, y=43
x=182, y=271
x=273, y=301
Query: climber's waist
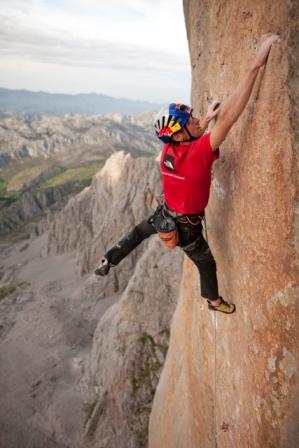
x=191, y=219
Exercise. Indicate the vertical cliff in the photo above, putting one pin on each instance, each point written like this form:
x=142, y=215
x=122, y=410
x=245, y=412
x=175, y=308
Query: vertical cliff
x=230, y=381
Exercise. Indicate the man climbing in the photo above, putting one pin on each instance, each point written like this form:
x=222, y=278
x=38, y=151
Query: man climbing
x=186, y=164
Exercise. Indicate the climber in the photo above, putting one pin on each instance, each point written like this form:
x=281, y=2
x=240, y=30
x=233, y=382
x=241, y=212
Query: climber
x=186, y=164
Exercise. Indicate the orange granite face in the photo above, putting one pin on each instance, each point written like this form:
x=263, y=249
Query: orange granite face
x=232, y=379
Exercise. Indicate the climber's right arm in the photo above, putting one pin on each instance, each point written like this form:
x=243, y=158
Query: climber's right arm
x=232, y=108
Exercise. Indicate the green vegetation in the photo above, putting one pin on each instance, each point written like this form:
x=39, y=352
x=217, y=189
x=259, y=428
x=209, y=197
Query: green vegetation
x=150, y=365
x=152, y=361
x=25, y=170
x=5, y=291
x=44, y=175
x=2, y=187
x=6, y=198
x=14, y=179
x=71, y=174
x=16, y=175
x=145, y=337
x=82, y=130
x=20, y=234
x=88, y=410
x=25, y=176
x=36, y=136
x=93, y=413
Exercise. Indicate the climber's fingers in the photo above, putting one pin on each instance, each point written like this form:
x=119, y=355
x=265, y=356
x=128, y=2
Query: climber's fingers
x=213, y=109
x=263, y=52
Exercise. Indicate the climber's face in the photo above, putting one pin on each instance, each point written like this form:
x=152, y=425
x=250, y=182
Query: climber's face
x=193, y=128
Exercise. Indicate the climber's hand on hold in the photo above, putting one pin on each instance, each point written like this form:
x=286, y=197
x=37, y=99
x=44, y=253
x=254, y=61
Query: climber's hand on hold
x=213, y=109
x=233, y=106
x=212, y=112
x=264, y=50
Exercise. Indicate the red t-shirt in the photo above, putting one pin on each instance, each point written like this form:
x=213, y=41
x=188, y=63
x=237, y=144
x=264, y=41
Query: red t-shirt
x=186, y=175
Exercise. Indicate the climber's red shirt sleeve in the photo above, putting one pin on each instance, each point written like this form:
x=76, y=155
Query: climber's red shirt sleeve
x=186, y=175
x=202, y=154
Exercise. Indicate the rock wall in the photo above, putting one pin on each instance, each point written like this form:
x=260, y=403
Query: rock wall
x=122, y=194
x=230, y=381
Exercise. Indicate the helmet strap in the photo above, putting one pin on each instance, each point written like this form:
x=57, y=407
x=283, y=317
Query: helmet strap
x=191, y=138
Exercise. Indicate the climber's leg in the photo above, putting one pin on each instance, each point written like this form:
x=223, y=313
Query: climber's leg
x=129, y=242
x=201, y=255
x=124, y=246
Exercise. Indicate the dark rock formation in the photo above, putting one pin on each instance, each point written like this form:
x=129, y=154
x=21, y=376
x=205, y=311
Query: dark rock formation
x=33, y=204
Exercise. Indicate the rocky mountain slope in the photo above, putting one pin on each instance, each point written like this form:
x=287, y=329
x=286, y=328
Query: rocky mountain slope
x=75, y=137
x=232, y=381
x=47, y=158
x=131, y=340
x=76, y=377
x=31, y=205
x=129, y=349
x=120, y=196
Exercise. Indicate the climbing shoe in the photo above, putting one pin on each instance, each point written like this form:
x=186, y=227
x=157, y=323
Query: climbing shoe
x=103, y=268
x=223, y=307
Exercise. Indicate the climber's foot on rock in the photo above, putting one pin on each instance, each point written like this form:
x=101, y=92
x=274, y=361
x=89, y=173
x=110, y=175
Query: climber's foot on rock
x=222, y=306
x=103, y=267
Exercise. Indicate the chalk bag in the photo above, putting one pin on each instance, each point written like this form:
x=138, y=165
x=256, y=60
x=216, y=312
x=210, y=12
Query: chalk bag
x=168, y=233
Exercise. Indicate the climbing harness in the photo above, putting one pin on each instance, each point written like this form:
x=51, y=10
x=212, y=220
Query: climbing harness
x=167, y=227
x=194, y=220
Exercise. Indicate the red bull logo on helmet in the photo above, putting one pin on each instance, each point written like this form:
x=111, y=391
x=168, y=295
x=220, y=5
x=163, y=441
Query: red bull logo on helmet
x=170, y=129
x=165, y=131
x=183, y=108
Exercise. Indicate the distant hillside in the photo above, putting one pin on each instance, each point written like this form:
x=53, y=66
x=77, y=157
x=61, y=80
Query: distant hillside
x=61, y=104
x=75, y=137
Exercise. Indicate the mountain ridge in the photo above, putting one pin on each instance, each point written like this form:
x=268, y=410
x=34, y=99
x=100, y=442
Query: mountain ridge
x=22, y=100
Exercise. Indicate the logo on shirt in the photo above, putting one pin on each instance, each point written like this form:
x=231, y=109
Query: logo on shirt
x=168, y=162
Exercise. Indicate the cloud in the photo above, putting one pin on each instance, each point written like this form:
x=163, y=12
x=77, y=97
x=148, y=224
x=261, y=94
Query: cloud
x=152, y=23
x=32, y=44
x=32, y=40
x=124, y=40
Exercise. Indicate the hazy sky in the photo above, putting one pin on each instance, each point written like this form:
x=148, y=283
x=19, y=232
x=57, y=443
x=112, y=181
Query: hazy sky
x=124, y=48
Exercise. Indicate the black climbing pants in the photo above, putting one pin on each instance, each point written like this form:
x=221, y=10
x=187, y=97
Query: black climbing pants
x=191, y=241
